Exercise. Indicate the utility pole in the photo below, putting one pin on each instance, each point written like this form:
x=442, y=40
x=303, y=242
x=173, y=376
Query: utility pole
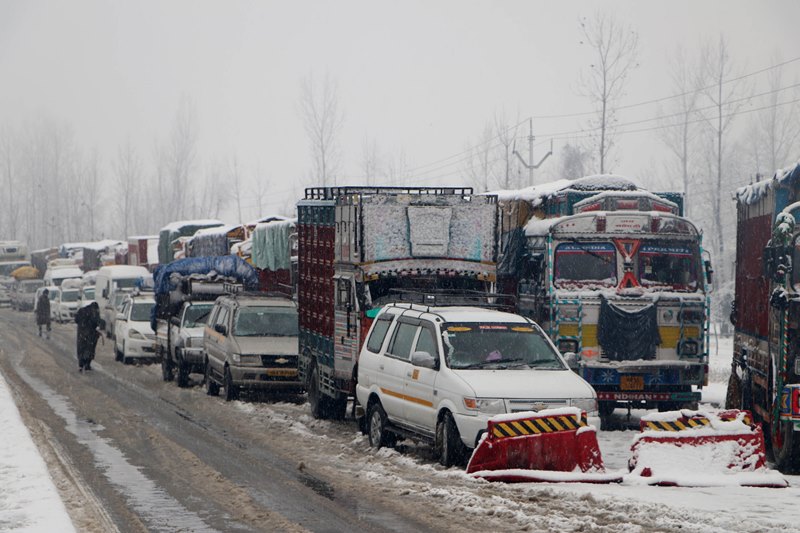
x=530, y=166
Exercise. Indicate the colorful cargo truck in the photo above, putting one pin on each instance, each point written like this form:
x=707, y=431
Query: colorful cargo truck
x=362, y=247
x=615, y=274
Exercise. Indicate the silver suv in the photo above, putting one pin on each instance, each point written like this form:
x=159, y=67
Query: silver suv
x=251, y=342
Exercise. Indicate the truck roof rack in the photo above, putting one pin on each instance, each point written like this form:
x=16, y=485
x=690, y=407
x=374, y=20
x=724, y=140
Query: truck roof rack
x=450, y=298
x=331, y=193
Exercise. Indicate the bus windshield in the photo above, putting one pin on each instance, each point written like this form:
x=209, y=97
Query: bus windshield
x=581, y=264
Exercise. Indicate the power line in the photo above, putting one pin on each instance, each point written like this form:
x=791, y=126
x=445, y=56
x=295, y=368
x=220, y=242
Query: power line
x=663, y=98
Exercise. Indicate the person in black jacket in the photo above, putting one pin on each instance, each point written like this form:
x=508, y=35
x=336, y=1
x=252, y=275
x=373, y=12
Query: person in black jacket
x=88, y=320
x=43, y=312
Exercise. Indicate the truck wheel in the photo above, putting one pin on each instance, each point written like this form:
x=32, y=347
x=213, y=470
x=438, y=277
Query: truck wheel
x=183, y=375
x=315, y=399
x=377, y=420
x=449, y=447
x=167, y=370
x=786, y=448
x=337, y=408
x=231, y=390
x=212, y=388
x=733, y=395
x=117, y=354
x=606, y=412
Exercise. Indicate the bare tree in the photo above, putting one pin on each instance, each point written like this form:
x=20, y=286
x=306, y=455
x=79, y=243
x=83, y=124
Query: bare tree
x=7, y=162
x=397, y=169
x=235, y=180
x=725, y=99
x=322, y=121
x=678, y=132
x=259, y=191
x=212, y=195
x=777, y=127
x=479, y=164
x=615, y=50
x=575, y=161
x=505, y=132
x=370, y=161
x=128, y=181
x=176, y=161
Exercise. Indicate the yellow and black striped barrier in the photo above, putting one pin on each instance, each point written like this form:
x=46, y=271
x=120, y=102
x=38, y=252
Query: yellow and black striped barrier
x=537, y=425
x=684, y=423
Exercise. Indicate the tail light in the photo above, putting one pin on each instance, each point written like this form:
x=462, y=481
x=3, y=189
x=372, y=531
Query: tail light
x=600, y=223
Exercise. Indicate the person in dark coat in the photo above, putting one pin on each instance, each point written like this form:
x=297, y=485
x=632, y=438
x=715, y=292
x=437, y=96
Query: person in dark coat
x=43, y=312
x=88, y=320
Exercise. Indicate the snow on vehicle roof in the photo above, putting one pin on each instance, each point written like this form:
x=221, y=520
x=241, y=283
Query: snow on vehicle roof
x=639, y=193
x=65, y=272
x=541, y=226
x=125, y=271
x=267, y=219
x=174, y=226
x=537, y=193
x=750, y=194
x=216, y=230
x=141, y=237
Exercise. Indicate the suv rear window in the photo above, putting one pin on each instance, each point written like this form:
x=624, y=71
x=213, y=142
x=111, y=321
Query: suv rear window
x=378, y=335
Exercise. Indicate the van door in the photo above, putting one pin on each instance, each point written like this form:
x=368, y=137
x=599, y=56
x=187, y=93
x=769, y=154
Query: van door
x=420, y=383
x=393, y=367
x=215, y=343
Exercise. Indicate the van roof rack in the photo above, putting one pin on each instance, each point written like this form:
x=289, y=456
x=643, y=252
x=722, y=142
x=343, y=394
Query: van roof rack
x=450, y=298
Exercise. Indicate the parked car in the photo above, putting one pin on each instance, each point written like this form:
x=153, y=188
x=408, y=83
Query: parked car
x=65, y=305
x=24, y=294
x=133, y=336
x=437, y=374
x=114, y=308
x=111, y=279
x=250, y=342
x=185, y=352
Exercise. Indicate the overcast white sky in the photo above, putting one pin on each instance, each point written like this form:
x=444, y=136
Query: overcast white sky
x=420, y=77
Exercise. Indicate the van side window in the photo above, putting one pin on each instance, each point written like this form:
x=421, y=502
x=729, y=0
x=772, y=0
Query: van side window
x=402, y=341
x=378, y=335
x=427, y=342
x=212, y=317
x=222, y=316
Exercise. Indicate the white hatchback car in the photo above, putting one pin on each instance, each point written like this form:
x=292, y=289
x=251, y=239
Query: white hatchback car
x=437, y=374
x=133, y=336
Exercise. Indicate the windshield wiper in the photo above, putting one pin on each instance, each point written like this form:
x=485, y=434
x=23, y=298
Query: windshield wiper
x=504, y=361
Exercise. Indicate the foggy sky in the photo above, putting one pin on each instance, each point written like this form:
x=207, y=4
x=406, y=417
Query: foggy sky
x=420, y=77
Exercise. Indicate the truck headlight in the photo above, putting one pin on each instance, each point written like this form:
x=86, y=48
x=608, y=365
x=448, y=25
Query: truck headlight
x=585, y=404
x=489, y=406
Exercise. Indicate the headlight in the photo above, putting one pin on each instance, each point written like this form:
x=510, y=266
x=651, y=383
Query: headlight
x=585, y=404
x=489, y=406
x=133, y=334
x=236, y=358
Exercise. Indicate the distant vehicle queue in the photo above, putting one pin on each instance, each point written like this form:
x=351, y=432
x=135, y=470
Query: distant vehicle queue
x=427, y=310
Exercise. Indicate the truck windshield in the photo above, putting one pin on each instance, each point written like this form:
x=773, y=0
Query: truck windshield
x=69, y=296
x=475, y=345
x=669, y=265
x=196, y=314
x=266, y=321
x=126, y=283
x=88, y=294
x=580, y=264
x=141, y=311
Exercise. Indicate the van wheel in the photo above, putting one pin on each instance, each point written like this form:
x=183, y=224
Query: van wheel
x=212, y=388
x=377, y=420
x=231, y=390
x=315, y=398
x=449, y=447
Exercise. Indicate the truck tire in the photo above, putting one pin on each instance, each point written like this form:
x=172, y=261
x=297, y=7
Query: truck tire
x=315, y=398
x=337, y=408
x=377, y=421
x=182, y=376
x=231, y=390
x=212, y=388
x=733, y=394
x=449, y=448
x=785, y=445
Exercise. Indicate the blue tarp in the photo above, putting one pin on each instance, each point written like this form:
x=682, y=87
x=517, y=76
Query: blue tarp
x=228, y=265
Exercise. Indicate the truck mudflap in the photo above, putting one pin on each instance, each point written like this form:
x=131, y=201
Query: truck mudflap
x=701, y=449
x=549, y=446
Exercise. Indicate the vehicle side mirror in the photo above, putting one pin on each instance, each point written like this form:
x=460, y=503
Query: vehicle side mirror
x=105, y=293
x=221, y=329
x=709, y=271
x=572, y=360
x=423, y=359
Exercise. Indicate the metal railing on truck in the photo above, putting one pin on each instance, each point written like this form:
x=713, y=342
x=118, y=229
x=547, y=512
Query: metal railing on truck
x=331, y=193
x=449, y=298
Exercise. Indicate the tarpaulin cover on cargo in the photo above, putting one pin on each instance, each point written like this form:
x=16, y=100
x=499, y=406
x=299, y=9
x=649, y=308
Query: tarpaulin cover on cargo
x=229, y=265
x=272, y=249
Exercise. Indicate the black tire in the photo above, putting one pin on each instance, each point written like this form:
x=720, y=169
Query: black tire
x=231, y=390
x=212, y=388
x=126, y=360
x=733, y=394
x=117, y=354
x=167, y=369
x=449, y=448
x=182, y=376
x=315, y=399
x=786, y=448
x=379, y=436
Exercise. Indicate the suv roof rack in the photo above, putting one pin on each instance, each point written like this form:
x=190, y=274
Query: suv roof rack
x=450, y=298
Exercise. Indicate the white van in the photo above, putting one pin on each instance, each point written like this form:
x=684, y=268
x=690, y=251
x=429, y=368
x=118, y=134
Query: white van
x=55, y=275
x=111, y=278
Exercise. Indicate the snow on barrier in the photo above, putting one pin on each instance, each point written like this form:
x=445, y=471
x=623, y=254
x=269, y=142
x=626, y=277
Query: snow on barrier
x=552, y=446
x=698, y=449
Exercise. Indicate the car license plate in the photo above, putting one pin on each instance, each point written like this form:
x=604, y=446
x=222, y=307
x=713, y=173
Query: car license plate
x=631, y=383
x=282, y=372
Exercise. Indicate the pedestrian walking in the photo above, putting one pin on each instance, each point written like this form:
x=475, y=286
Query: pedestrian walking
x=89, y=322
x=43, y=312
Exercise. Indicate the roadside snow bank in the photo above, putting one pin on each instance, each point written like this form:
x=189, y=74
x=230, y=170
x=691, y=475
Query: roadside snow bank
x=28, y=498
